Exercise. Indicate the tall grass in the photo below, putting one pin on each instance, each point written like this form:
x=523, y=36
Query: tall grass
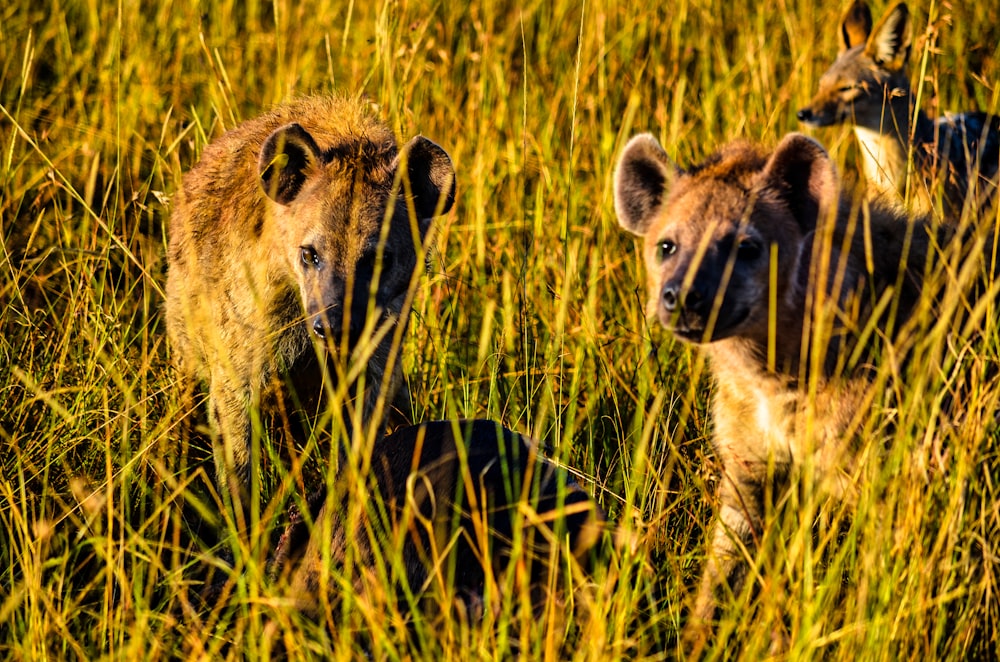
x=532, y=314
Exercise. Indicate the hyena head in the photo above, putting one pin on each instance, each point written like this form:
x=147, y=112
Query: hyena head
x=869, y=74
x=349, y=219
x=718, y=236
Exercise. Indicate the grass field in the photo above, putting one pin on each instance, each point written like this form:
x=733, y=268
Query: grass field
x=532, y=314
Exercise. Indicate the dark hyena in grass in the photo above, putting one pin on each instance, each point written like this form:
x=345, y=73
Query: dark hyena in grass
x=449, y=507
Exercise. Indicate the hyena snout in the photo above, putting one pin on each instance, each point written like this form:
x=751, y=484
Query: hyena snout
x=690, y=301
x=336, y=310
x=809, y=115
x=332, y=325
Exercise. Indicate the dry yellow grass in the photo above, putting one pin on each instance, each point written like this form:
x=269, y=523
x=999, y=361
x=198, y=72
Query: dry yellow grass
x=532, y=314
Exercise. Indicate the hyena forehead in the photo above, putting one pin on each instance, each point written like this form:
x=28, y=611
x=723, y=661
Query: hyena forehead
x=337, y=215
x=362, y=162
x=730, y=171
x=716, y=191
x=357, y=177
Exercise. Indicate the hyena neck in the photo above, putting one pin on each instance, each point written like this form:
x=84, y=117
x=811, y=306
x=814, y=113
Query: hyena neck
x=784, y=355
x=743, y=358
x=885, y=143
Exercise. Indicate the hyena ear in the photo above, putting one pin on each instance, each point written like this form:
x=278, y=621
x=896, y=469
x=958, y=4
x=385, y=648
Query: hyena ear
x=802, y=175
x=286, y=157
x=642, y=178
x=431, y=176
x=855, y=25
x=889, y=43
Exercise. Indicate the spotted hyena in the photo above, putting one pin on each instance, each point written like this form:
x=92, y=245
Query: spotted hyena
x=785, y=282
x=448, y=507
x=293, y=243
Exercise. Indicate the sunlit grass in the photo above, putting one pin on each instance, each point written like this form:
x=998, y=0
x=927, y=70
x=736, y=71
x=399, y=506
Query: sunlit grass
x=532, y=314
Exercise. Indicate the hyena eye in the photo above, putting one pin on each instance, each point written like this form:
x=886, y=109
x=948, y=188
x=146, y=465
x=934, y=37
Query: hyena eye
x=665, y=249
x=748, y=250
x=309, y=256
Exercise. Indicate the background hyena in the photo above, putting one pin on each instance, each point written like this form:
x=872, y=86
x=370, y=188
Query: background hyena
x=292, y=247
x=789, y=286
x=448, y=504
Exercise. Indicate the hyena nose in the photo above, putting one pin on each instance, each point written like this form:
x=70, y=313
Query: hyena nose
x=673, y=299
x=331, y=327
x=670, y=297
x=804, y=114
x=319, y=327
x=327, y=324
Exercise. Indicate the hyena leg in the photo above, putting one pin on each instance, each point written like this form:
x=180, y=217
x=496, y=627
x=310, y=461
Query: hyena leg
x=733, y=537
x=231, y=445
x=186, y=403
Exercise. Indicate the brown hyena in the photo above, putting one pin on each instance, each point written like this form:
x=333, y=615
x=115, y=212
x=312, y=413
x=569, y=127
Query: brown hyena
x=447, y=507
x=790, y=286
x=293, y=243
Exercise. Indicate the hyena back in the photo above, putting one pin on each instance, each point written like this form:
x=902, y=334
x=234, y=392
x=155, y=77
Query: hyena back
x=458, y=501
x=293, y=243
